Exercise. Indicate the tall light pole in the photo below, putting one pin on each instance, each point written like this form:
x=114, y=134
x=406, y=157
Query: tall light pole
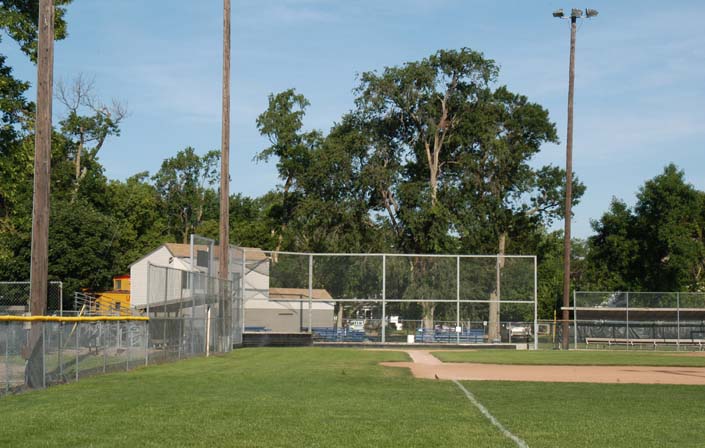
x=575, y=14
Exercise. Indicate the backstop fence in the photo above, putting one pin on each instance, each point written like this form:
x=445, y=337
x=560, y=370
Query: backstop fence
x=615, y=319
x=186, y=314
x=390, y=297
x=191, y=312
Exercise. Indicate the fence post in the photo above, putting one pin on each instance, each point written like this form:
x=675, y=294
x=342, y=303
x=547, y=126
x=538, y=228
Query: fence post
x=627, y=320
x=44, y=354
x=180, y=318
x=575, y=320
x=102, y=333
x=146, y=336
x=128, y=343
x=310, y=293
x=208, y=330
x=536, y=305
x=164, y=313
x=59, y=353
x=242, y=296
x=61, y=299
x=384, y=299
x=9, y=331
x=457, y=300
x=678, y=321
x=78, y=329
x=191, y=276
x=495, y=313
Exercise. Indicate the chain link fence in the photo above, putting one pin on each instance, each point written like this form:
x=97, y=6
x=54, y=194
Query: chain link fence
x=36, y=354
x=638, y=320
x=186, y=314
x=191, y=313
x=390, y=297
x=14, y=298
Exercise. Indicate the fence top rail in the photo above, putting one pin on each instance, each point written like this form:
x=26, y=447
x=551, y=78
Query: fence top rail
x=53, y=282
x=640, y=292
x=71, y=318
x=630, y=308
x=419, y=301
x=342, y=254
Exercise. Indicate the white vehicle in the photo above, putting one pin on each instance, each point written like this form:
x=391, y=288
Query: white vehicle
x=519, y=331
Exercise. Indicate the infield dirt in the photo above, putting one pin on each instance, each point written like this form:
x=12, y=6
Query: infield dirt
x=427, y=366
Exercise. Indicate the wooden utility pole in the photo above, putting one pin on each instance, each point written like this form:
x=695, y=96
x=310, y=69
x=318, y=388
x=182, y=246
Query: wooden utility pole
x=39, y=268
x=225, y=311
x=568, y=190
x=225, y=149
x=42, y=160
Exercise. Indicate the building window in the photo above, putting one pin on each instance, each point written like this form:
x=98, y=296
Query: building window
x=118, y=285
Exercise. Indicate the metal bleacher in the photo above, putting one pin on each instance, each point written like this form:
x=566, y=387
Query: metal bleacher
x=449, y=335
x=331, y=334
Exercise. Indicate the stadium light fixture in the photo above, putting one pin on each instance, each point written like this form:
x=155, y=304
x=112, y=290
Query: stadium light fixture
x=576, y=13
x=558, y=13
x=589, y=13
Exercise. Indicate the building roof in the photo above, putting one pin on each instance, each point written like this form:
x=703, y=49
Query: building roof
x=298, y=294
x=251, y=253
x=184, y=251
x=122, y=277
x=180, y=250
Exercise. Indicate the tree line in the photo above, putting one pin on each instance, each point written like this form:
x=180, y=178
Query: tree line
x=435, y=156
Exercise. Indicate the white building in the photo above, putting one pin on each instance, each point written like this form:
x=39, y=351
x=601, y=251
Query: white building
x=265, y=308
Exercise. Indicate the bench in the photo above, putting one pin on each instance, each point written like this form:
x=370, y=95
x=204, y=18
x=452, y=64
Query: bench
x=700, y=343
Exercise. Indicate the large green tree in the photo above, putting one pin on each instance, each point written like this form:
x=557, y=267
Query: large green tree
x=659, y=245
x=87, y=122
x=433, y=159
x=19, y=18
x=136, y=224
x=282, y=124
x=18, y=21
x=185, y=184
x=451, y=158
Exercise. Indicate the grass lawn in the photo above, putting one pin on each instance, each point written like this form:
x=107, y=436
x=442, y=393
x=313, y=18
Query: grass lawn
x=578, y=358
x=325, y=397
x=267, y=397
x=597, y=415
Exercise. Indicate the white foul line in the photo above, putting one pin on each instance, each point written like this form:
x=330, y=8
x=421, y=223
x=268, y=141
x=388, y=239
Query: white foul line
x=520, y=443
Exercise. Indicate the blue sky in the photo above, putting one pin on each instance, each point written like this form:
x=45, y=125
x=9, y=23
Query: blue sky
x=640, y=87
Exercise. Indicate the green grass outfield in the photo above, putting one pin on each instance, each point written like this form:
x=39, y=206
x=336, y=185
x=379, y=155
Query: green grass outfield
x=324, y=397
x=578, y=358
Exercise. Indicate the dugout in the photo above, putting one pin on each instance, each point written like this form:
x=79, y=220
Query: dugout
x=638, y=325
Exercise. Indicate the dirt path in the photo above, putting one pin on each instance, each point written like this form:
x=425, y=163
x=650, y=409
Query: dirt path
x=425, y=365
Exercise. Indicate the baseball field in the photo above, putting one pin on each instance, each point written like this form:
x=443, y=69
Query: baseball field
x=326, y=397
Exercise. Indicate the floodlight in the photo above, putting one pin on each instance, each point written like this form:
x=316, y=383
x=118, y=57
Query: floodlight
x=576, y=13
x=590, y=12
x=558, y=13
